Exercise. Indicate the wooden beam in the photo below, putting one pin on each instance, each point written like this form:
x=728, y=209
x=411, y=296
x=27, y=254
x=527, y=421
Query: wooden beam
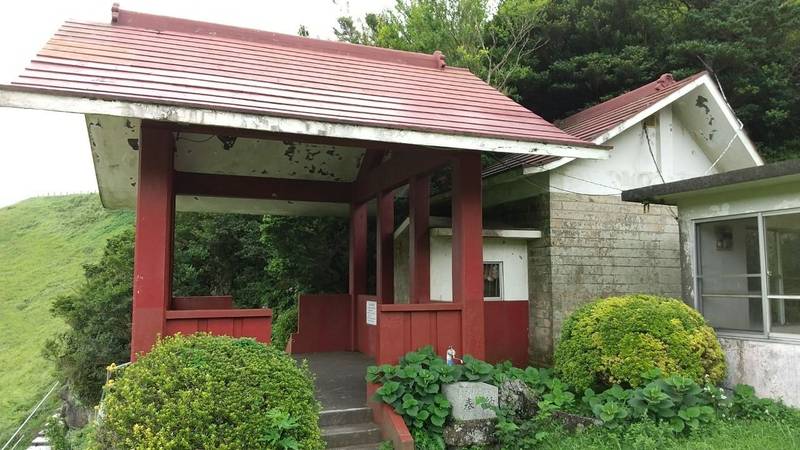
x=398, y=169
x=468, y=251
x=372, y=158
x=419, y=264
x=152, y=263
x=234, y=186
x=357, y=274
x=385, y=247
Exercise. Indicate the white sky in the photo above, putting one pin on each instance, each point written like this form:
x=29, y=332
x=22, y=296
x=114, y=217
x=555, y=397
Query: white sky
x=45, y=152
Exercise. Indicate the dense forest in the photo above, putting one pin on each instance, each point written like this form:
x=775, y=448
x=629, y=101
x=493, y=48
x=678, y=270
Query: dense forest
x=554, y=57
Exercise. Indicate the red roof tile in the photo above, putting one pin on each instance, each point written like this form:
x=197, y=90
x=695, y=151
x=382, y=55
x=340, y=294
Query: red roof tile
x=156, y=59
x=592, y=122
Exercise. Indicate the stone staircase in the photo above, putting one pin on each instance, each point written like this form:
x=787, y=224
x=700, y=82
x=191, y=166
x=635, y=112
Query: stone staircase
x=349, y=429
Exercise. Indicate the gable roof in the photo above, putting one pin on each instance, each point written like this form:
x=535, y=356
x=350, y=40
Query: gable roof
x=593, y=122
x=605, y=120
x=168, y=61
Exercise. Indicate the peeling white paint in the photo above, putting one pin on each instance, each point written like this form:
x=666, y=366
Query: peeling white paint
x=262, y=122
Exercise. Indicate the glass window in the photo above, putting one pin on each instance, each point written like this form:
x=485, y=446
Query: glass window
x=729, y=274
x=783, y=271
x=492, y=280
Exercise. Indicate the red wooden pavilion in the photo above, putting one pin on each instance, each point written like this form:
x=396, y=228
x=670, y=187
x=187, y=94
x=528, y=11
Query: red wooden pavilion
x=185, y=115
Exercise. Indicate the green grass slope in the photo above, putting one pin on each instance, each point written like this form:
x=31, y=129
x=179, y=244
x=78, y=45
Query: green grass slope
x=44, y=243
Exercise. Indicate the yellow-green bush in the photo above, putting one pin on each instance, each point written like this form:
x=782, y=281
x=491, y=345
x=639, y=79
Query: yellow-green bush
x=206, y=391
x=615, y=340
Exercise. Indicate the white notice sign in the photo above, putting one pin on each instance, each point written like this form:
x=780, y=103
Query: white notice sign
x=372, y=313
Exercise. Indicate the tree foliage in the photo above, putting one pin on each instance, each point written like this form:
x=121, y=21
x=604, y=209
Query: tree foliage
x=558, y=57
x=259, y=261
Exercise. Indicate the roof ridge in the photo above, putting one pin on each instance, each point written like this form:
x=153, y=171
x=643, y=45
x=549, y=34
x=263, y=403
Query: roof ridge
x=120, y=17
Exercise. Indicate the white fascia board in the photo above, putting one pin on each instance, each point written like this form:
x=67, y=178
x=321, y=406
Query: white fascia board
x=734, y=121
x=249, y=121
x=605, y=137
x=508, y=234
x=727, y=111
x=545, y=167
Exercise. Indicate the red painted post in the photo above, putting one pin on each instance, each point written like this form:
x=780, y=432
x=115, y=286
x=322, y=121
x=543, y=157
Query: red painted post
x=358, y=263
x=419, y=264
x=385, y=248
x=468, y=251
x=155, y=213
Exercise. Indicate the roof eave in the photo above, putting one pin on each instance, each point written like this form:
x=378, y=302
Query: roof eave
x=669, y=193
x=17, y=97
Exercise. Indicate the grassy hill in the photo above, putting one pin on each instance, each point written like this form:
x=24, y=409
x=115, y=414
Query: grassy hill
x=44, y=243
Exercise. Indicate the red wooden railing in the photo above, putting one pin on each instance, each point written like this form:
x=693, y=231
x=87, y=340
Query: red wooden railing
x=190, y=315
x=202, y=302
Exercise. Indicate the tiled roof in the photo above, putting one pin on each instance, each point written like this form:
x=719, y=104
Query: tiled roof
x=155, y=59
x=592, y=122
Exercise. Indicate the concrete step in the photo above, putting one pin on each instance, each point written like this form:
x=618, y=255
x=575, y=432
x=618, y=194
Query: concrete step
x=351, y=435
x=344, y=416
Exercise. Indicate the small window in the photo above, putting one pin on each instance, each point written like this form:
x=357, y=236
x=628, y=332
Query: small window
x=493, y=280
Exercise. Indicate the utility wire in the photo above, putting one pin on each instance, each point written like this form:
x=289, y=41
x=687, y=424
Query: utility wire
x=546, y=189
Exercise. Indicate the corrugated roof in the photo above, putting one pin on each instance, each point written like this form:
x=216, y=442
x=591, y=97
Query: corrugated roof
x=592, y=122
x=155, y=59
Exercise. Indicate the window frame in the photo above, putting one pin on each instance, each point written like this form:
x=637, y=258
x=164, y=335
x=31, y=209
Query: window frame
x=767, y=333
x=499, y=284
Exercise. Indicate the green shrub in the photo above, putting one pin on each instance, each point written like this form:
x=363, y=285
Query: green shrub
x=206, y=391
x=614, y=341
x=283, y=327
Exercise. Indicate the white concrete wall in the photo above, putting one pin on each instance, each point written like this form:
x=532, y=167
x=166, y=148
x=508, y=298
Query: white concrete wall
x=630, y=164
x=513, y=253
x=770, y=367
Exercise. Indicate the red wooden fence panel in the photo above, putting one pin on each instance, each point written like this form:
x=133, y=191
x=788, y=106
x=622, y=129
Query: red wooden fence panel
x=323, y=324
x=404, y=328
x=506, y=331
x=254, y=323
x=366, y=335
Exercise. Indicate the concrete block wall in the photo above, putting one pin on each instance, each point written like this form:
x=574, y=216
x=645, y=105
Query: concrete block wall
x=591, y=247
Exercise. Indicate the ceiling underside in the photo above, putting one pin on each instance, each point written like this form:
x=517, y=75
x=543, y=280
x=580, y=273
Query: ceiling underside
x=115, y=152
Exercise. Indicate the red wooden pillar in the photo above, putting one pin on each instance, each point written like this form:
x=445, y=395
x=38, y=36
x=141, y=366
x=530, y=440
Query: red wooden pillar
x=419, y=264
x=358, y=264
x=155, y=213
x=385, y=247
x=468, y=251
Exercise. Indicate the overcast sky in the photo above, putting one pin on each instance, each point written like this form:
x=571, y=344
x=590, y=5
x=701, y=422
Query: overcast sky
x=45, y=152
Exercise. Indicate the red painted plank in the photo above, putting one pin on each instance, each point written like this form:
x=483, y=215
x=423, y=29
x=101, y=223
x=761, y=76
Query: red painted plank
x=385, y=247
x=155, y=212
x=419, y=264
x=218, y=313
x=357, y=273
x=468, y=251
x=323, y=325
x=507, y=331
x=202, y=302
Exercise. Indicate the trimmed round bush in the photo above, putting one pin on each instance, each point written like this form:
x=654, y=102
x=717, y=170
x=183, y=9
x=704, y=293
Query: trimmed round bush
x=616, y=340
x=205, y=391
